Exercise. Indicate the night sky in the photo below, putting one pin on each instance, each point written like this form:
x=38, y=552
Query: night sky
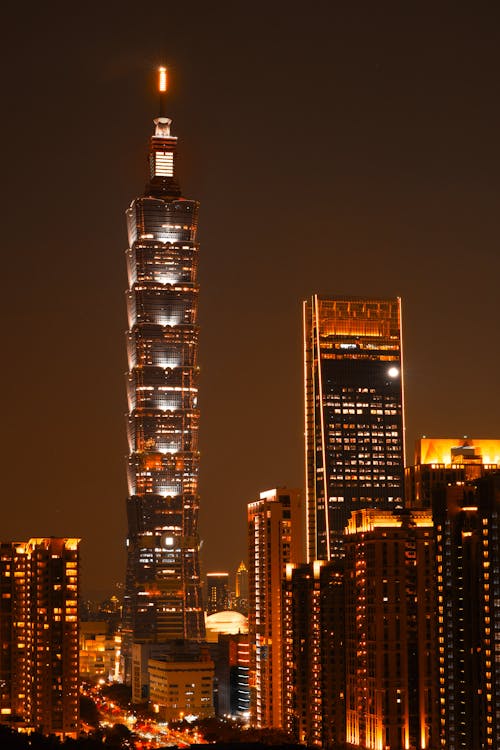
x=339, y=148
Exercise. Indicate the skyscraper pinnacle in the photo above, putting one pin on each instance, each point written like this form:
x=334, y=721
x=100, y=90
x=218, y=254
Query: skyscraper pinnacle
x=162, y=89
x=162, y=79
x=163, y=150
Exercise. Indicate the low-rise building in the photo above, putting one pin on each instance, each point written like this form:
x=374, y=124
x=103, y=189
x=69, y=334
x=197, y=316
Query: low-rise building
x=178, y=689
x=99, y=652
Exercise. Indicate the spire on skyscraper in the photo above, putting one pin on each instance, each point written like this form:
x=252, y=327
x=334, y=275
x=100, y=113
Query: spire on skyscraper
x=163, y=150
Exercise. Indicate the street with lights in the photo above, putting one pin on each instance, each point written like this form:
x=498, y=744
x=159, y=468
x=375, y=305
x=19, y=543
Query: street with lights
x=147, y=733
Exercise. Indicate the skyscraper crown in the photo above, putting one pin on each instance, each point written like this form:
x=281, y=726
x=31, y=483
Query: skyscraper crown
x=163, y=151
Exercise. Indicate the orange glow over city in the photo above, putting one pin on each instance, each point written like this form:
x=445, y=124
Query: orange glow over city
x=439, y=450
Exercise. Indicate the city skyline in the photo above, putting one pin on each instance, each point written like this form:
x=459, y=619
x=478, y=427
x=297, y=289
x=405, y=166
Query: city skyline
x=398, y=186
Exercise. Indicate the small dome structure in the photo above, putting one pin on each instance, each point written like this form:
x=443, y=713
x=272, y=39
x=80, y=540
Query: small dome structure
x=227, y=622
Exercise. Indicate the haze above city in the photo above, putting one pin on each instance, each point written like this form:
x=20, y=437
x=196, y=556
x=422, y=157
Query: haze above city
x=353, y=150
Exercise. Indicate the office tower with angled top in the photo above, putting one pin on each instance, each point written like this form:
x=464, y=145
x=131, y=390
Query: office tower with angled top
x=353, y=382
x=163, y=593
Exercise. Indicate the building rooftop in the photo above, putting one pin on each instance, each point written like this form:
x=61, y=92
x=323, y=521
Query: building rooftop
x=227, y=622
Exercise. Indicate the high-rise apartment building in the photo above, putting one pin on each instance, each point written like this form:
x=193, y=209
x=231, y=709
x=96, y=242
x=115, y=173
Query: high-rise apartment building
x=163, y=594
x=231, y=655
x=467, y=527
x=39, y=676
x=391, y=643
x=274, y=539
x=458, y=479
x=239, y=660
x=353, y=413
x=313, y=641
x=217, y=592
x=442, y=461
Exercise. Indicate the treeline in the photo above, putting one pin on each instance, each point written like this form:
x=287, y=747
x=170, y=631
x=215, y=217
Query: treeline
x=118, y=736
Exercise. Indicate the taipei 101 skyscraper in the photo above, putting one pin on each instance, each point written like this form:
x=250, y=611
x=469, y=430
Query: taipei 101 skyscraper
x=162, y=593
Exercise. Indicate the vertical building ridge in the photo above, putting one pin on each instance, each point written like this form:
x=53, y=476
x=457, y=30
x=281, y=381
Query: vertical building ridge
x=163, y=593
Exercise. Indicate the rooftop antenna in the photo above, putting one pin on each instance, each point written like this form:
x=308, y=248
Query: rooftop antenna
x=162, y=89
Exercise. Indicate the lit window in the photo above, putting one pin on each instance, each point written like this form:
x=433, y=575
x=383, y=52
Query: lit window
x=164, y=164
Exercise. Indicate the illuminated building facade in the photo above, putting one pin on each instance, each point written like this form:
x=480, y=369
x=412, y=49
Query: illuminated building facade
x=353, y=414
x=313, y=654
x=99, y=652
x=239, y=663
x=39, y=680
x=231, y=655
x=241, y=587
x=442, y=461
x=240, y=602
x=217, y=592
x=274, y=539
x=182, y=685
x=391, y=641
x=467, y=526
x=163, y=593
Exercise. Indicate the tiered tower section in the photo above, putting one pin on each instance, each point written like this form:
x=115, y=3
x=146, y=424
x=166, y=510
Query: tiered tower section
x=163, y=594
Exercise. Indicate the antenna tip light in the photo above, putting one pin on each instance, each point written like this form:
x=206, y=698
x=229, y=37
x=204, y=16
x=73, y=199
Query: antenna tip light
x=162, y=80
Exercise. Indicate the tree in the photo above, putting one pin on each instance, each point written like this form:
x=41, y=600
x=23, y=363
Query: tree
x=88, y=711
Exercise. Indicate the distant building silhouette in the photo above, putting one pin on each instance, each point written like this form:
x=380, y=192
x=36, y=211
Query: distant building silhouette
x=217, y=592
x=241, y=588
